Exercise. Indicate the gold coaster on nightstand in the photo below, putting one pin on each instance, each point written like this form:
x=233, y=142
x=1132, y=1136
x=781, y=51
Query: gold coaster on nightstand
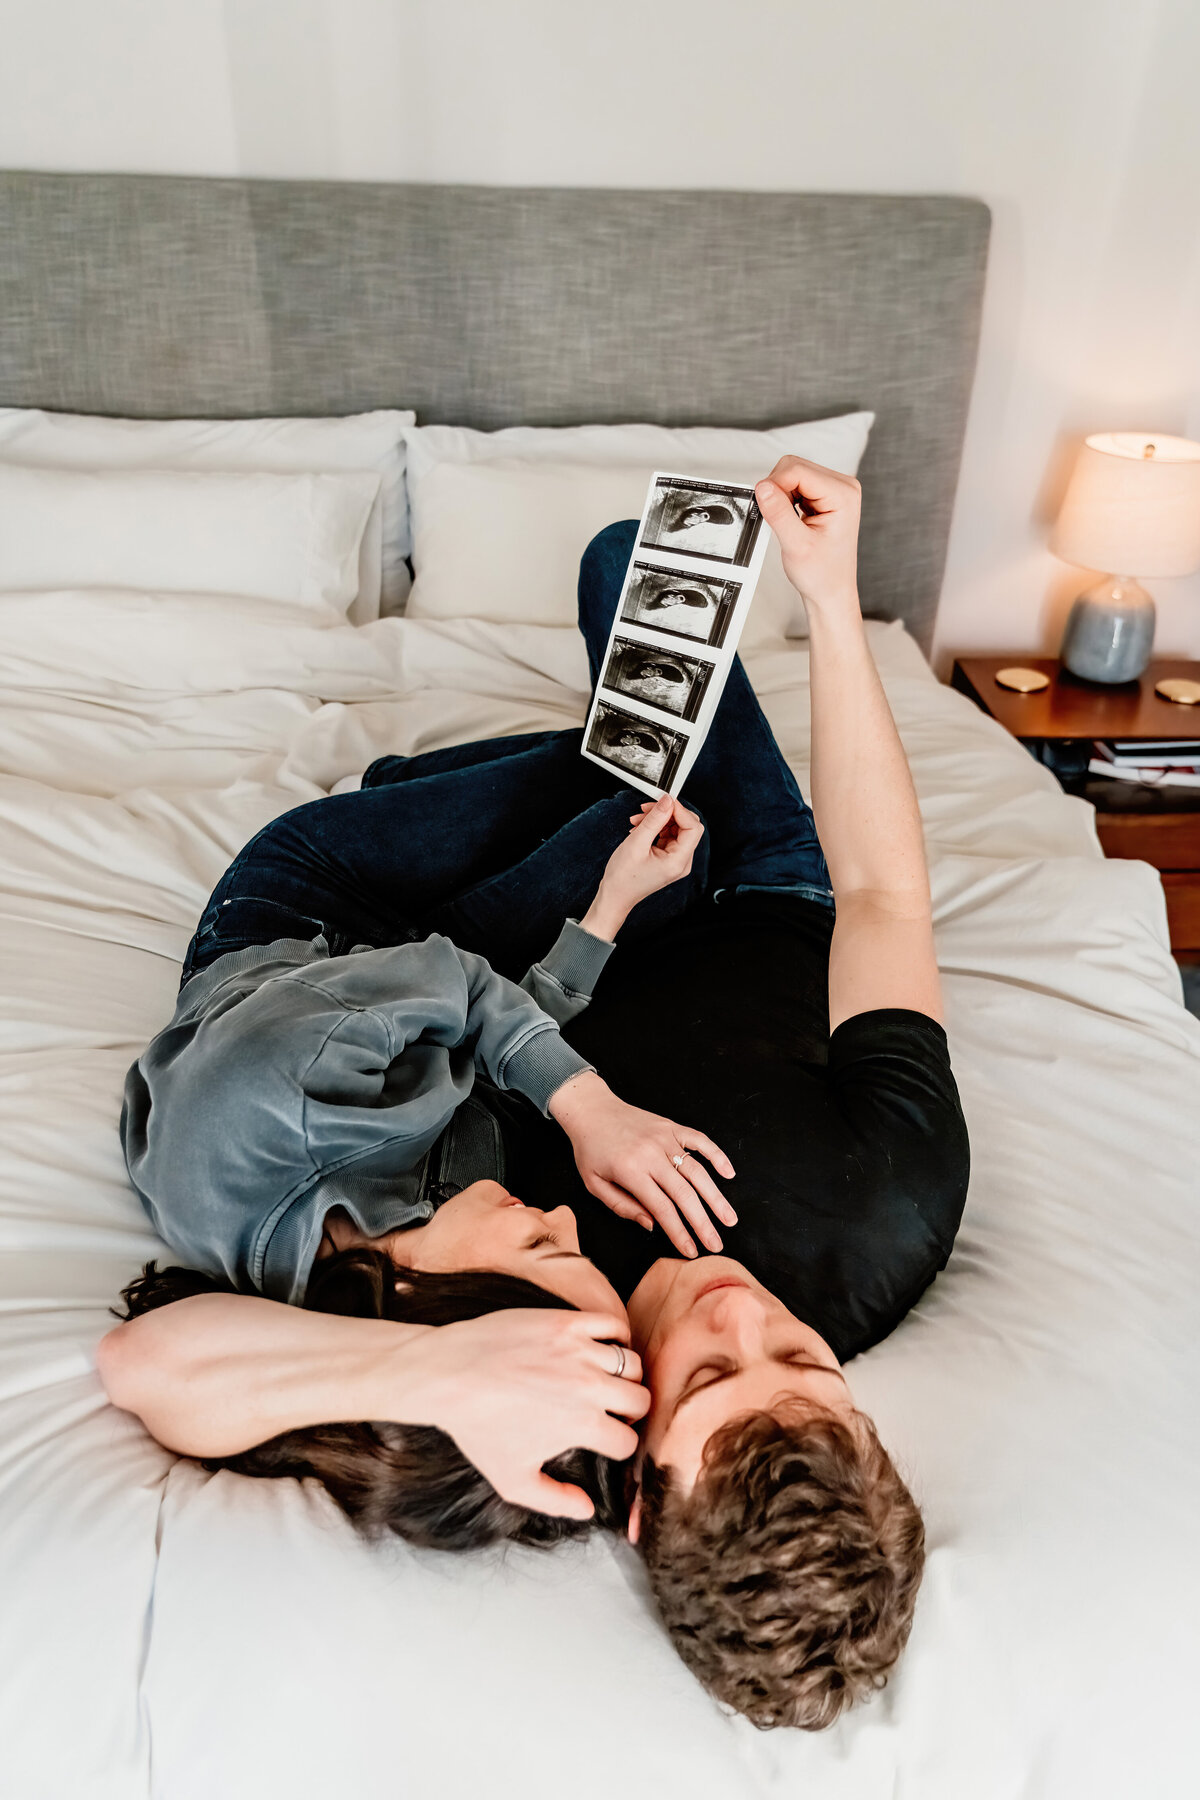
x=1183, y=693
x=1022, y=681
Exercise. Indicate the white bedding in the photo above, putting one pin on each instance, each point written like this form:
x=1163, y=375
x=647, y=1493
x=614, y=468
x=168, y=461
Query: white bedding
x=185, y=1635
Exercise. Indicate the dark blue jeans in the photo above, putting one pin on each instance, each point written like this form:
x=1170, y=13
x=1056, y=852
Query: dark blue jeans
x=495, y=843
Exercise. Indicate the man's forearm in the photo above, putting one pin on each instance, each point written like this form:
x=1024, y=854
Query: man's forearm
x=219, y=1373
x=862, y=792
x=881, y=954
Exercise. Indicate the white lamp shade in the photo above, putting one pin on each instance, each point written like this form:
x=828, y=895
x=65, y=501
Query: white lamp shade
x=1132, y=506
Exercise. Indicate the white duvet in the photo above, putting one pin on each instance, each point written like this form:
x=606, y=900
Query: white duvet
x=212, y=1638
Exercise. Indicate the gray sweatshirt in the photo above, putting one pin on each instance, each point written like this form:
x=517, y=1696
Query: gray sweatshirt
x=289, y=1082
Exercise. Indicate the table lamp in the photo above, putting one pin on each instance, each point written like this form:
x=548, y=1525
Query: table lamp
x=1132, y=505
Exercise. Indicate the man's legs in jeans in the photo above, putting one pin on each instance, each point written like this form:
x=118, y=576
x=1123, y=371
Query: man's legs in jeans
x=761, y=832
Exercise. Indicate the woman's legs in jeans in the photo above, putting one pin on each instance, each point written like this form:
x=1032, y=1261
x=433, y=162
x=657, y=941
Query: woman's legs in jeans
x=761, y=832
x=385, y=771
x=367, y=867
x=492, y=843
x=513, y=918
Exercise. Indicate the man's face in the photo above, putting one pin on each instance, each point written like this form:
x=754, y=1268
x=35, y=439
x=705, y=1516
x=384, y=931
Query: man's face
x=714, y=1345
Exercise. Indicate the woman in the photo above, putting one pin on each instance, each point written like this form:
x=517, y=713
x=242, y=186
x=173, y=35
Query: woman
x=272, y=1116
x=341, y=1062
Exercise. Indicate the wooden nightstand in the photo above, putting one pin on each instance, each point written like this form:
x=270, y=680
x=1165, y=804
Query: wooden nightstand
x=1155, y=825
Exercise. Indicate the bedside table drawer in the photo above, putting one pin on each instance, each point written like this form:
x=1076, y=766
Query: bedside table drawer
x=1183, y=908
x=1167, y=840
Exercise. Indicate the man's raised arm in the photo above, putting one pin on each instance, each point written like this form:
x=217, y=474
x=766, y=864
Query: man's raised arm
x=863, y=800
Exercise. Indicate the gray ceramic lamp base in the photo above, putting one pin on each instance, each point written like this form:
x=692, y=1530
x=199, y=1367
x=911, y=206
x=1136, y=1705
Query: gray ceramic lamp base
x=1110, y=631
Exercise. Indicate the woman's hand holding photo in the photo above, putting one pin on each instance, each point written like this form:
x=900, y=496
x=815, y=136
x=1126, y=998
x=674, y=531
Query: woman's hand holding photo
x=643, y=1167
x=659, y=849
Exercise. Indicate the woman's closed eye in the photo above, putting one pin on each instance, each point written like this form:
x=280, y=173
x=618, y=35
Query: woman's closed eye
x=553, y=1242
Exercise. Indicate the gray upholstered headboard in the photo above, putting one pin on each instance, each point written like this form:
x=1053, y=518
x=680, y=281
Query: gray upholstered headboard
x=158, y=296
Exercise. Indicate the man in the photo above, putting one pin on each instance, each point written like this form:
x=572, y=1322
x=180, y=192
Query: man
x=783, y=1548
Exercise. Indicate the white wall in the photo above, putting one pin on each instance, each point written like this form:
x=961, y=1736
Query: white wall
x=1077, y=120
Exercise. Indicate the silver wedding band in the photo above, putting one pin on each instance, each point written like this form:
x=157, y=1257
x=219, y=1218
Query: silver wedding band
x=680, y=1160
x=620, y=1368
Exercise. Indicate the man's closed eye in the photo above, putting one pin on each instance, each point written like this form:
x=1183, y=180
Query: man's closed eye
x=708, y=1375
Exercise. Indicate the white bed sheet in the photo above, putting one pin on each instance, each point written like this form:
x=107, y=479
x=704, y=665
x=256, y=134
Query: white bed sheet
x=172, y=1633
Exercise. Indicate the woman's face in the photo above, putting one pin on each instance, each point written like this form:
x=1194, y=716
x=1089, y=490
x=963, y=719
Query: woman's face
x=486, y=1227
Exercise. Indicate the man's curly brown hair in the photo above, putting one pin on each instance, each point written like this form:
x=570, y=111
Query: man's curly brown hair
x=787, y=1577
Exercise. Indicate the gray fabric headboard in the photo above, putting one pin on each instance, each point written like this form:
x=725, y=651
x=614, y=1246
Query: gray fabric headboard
x=158, y=296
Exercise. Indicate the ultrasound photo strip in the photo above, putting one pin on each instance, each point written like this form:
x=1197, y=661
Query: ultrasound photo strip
x=682, y=605
x=675, y=631
x=637, y=747
x=666, y=679
x=715, y=521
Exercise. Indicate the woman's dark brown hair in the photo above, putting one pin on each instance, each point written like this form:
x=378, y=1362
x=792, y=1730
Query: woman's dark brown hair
x=412, y=1480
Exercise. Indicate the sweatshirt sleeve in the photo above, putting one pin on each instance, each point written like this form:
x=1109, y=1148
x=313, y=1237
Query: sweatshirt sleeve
x=398, y=999
x=514, y=1039
x=564, y=981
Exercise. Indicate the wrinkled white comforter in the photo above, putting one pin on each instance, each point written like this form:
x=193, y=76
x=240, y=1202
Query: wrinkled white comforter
x=191, y=1636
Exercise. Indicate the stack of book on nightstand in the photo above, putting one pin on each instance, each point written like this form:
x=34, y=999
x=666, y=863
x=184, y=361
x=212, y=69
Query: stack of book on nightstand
x=1158, y=762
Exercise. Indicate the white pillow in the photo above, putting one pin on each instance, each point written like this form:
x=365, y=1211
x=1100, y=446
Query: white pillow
x=501, y=519
x=289, y=538
x=360, y=442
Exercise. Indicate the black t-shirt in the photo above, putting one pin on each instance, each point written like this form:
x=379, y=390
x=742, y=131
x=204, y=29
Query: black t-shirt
x=851, y=1151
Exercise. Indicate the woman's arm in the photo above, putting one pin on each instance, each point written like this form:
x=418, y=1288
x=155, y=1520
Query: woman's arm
x=882, y=953
x=635, y=1162
x=657, y=851
x=220, y=1373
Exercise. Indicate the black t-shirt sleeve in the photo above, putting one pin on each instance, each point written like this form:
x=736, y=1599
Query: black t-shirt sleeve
x=894, y=1095
x=890, y=1074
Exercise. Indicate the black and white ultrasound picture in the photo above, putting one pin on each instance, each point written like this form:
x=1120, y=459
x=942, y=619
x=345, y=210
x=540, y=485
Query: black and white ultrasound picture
x=709, y=519
x=663, y=678
x=688, y=606
x=651, y=752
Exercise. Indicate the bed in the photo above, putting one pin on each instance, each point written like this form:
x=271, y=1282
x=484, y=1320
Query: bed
x=172, y=1633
